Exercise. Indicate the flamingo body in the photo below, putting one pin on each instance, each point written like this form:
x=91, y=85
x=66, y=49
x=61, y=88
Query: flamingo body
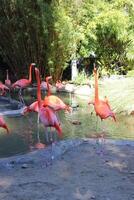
x=23, y=83
x=55, y=103
x=7, y=81
x=103, y=110
x=49, y=119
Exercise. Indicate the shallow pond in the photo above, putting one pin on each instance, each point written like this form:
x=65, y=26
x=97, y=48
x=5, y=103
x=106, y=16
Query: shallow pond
x=82, y=122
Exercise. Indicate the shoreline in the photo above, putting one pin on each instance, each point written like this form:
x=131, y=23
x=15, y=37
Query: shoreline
x=61, y=147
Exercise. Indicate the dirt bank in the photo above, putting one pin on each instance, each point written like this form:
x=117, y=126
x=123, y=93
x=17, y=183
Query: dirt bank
x=85, y=171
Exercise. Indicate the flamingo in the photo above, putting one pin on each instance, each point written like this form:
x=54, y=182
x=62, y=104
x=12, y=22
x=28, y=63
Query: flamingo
x=59, y=85
x=7, y=81
x=3, y=124
x=23, y=83
x=3, y=88
x=46, y=114
x=44, y=84
x=53, y=101
x=102, y=107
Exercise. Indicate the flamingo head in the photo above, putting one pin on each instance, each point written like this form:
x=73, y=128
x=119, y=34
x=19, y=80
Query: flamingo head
x=48, y=78
x=91, y=102
x=13, y=86
x=68, y=109
x=113, y=116
x=33, y=64
x=26, y=110
x=95, y=70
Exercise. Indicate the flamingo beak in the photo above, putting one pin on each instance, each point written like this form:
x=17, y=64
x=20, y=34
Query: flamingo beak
x=114, y=118
x=25, y=110
x=33, y=64
x=5, y=127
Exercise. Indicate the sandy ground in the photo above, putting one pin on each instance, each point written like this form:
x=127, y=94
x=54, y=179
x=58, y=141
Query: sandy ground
x=88, y=171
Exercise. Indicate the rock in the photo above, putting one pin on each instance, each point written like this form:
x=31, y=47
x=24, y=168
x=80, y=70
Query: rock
x=24, y=166
x=76, y=122
x=132, y=172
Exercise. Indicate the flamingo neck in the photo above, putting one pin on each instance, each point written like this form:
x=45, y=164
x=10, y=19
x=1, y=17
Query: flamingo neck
x=96, y=86
x=30, y=73
x=38, y=87
x=7, y=75
x=48, y=88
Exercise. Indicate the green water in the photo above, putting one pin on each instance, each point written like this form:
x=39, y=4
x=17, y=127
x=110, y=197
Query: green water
x=24, y=129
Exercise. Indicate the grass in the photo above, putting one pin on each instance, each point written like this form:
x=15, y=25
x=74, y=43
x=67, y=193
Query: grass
x=120, y=93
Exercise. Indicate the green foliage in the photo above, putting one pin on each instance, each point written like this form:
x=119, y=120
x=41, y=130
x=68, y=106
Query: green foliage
x=81, y=79
x=109, y=33
x=52, y=32
x=20, y=34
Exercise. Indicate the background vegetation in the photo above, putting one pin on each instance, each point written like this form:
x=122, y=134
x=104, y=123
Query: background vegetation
x=52, y=32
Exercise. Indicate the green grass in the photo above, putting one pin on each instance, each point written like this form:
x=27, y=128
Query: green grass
x=120, y=93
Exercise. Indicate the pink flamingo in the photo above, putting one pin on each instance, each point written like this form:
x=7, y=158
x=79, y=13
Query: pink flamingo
x=46, y=114
x=3, y=124
x=7, y=81
x=44, y=85
x=102, y=107
x=59, y=85
x=23, y=83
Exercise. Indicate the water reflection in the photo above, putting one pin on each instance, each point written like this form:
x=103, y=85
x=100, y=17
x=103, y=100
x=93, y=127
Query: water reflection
x=82, y=122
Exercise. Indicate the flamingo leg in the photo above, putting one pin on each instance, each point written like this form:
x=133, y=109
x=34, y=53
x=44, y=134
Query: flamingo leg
x=38, y=134
x=21, y=97
x=47, y=135
x=9, y=95
x=51, y=135
x=96, y=127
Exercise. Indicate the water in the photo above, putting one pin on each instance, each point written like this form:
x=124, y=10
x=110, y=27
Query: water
x=82, y=122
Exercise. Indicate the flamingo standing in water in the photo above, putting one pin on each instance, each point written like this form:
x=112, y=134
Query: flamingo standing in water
x=102, y=107
x=46, y=114
x=23, y=83
x=3, y=124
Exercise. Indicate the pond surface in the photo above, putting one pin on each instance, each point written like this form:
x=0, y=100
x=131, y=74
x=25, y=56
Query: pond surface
x=82, y=122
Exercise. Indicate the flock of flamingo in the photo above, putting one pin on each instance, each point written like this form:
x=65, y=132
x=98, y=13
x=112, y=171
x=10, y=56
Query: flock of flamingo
x=48, y=107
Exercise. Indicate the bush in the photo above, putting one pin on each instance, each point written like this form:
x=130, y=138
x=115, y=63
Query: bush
x=82, y=78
